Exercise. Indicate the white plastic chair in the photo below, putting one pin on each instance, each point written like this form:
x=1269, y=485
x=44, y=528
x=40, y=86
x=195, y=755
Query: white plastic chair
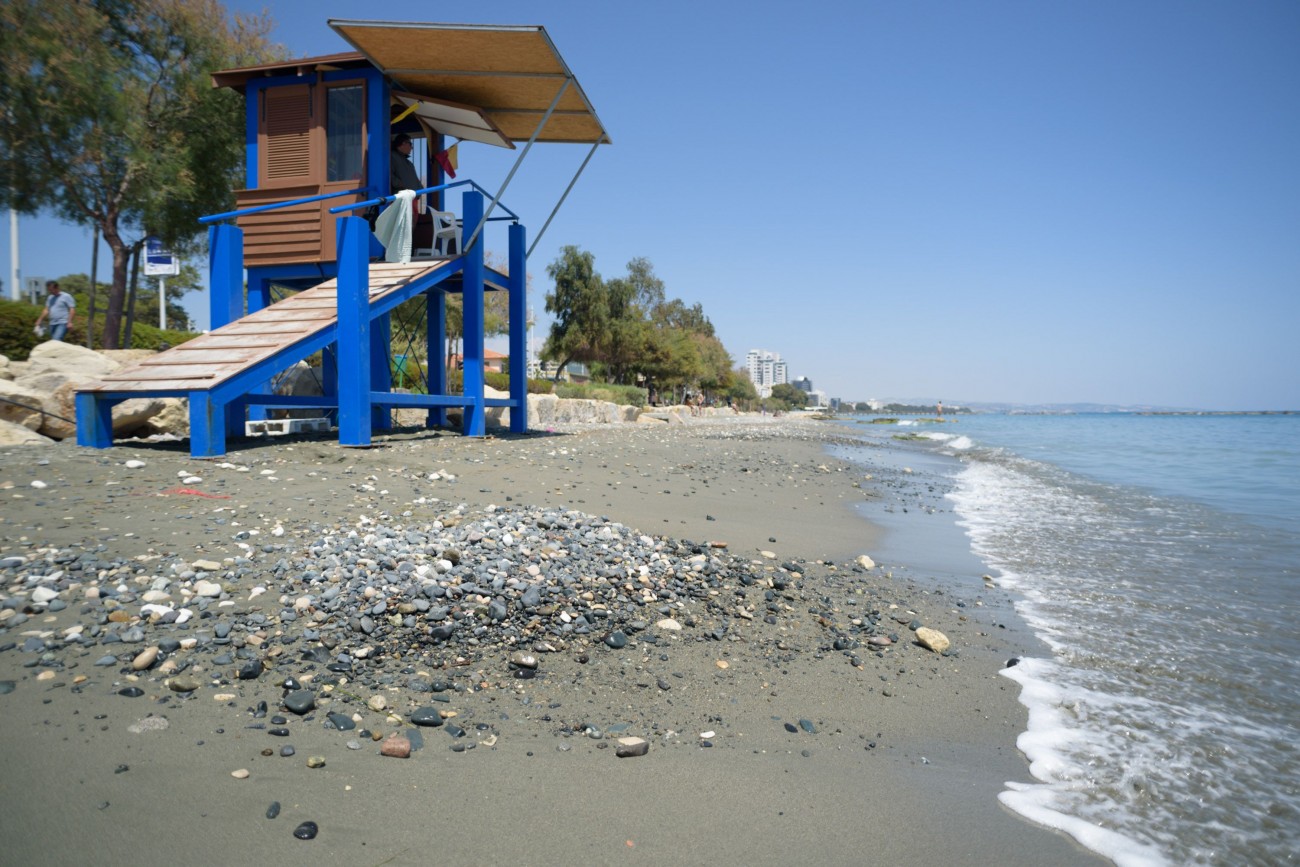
x=445, y=228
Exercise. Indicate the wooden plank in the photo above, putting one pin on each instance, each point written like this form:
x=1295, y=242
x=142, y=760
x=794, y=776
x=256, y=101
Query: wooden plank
x=201, y=356
x=273, y=315
x=154, y=385
x=226, y=341
x=168, y=371
x=118, y=377
x=271, y=328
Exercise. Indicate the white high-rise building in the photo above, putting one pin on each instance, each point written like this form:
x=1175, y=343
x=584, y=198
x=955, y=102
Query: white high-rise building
x=766, y=369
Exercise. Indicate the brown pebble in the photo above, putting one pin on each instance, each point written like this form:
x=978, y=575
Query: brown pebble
x=396, y=746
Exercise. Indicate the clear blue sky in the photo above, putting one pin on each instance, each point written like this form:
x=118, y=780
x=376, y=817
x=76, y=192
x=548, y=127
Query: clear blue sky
x=996, y=201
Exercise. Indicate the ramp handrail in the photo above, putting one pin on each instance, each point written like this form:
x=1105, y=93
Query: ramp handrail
x=381, y=200
x=230, y=215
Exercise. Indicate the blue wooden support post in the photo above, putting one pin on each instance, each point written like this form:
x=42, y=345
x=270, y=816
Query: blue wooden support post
x=475, y=420
x=329, y=378
x=208, y=425
x=381, y=372
x=436, y=313
x=518, y=326
x=225, y=274
x=94, y=420
x=226, y=305
x=259, y=298
x=354, y=332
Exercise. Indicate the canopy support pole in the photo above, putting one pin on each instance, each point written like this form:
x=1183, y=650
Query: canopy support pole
x=591, y=153
x=540, y=126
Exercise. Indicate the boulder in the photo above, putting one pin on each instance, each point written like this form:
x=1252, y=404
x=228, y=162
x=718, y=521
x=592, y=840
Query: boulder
x=128, y=416
x=127, y=356
x=301, y=379
x=5, y=372
x=87, y=364
x=21, y=405
x=17, y=435
x=541, y=409
x=174, y=418
x=47, y=381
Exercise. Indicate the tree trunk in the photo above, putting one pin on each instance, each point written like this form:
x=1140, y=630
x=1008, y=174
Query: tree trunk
x=94, y=275
x=135, y=286
x=116, y=292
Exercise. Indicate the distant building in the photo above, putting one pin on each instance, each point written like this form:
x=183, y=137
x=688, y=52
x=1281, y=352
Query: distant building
x=493, y=361
x=803, y=383
x=574, y=371
x=766, y=369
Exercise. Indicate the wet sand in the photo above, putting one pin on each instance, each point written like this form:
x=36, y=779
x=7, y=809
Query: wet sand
x=909, y=748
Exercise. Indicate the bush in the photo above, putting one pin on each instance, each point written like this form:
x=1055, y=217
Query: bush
x=623, y=395
x=17, y=339
x=499, y=381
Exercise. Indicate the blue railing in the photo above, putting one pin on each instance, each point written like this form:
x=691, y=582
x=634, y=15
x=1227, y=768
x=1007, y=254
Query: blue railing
x=383, y=200
x=230, y=215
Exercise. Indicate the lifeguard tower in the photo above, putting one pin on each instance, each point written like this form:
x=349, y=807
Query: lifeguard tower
x=318, y=133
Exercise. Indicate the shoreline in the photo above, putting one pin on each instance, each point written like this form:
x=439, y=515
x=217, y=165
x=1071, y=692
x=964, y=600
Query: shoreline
x=909, y=752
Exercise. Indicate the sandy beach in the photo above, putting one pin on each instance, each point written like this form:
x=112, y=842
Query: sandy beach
x=731, y=628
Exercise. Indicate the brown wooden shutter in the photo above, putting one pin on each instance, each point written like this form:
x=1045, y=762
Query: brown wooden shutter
x=287, y=124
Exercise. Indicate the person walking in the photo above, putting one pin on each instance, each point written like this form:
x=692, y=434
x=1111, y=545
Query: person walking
x=60, y=308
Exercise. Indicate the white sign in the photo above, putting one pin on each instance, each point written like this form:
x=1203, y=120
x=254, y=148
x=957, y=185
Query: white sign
x=158, y=262
x=34, y=288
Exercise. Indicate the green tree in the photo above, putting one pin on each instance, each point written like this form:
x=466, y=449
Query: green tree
x=788, y=396
x=113, y=121
x=580, y=305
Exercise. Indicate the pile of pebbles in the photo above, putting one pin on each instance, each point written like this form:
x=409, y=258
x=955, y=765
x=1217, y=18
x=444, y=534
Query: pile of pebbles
x=381, y=604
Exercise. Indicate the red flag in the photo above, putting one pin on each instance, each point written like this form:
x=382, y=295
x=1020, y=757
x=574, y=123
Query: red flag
x=447, y=159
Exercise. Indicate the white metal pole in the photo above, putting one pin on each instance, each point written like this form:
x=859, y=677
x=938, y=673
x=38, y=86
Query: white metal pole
x=162, y=303
x=15, y=291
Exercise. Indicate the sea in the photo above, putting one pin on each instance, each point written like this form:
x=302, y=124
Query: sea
x=1158, y=558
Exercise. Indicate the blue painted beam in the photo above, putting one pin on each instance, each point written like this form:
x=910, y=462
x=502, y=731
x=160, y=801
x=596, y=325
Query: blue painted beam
x=518, y=330
x=354, y=332
x=207, y=426
x=475, y=422
x=94, y=420
x=304, y=401
x=436, y=313
x=259, y=298
x=381, y=375
x=389, y=398
x=225, y=274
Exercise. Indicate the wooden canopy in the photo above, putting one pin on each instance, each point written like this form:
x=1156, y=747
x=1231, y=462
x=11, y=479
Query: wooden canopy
x=512, y=72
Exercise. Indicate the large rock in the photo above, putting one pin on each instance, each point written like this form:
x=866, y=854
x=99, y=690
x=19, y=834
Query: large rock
x=47, y=381
x=541, y=409
x=128, y=416
x=69, y=358
x=173, y=419
x=5, y=372
x=301, y=379
x=16, y=435
x=20, y=404
x=127, y=356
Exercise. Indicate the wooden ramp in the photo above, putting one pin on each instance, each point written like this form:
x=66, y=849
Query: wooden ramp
x=209, y=360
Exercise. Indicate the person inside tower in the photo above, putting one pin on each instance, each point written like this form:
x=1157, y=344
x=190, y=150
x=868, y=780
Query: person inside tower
x=403, y=176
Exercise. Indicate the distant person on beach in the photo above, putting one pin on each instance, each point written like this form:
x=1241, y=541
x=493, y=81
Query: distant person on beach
x=939, y=407
x=60, y=308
